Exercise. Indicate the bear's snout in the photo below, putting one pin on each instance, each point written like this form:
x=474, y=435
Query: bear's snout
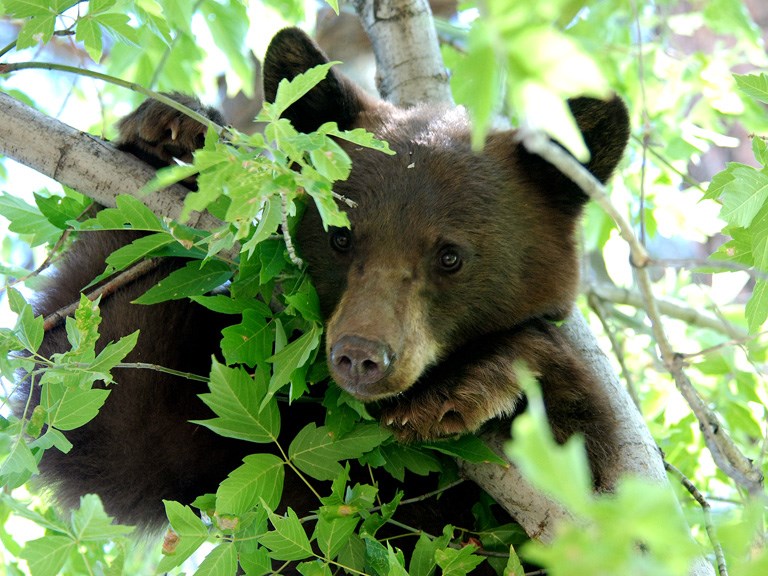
x=358, y=363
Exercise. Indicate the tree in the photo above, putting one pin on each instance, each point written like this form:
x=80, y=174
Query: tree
x=519, y=42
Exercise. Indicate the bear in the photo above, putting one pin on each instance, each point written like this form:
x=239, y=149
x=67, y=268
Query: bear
x=456, y=267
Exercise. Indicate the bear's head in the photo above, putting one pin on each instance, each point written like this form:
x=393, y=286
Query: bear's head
x=446, y=244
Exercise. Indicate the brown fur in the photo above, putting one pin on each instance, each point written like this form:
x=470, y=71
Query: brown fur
x=436, y=348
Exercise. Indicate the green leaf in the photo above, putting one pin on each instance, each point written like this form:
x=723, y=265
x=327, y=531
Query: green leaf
x=129, y=212
x=138, y=250
x=289, y=92
x=69, y=408
x=88, y=32
x=293, y=356
x=29, y=329
x=38, y=30
x=191, y=534
x=59, y=210
x=117, y=26
x=315, y=452
x=744, y=196
x=287, y=541
x=224, y=304
x=469, y=448
x=332, y=533
x=46, y=556
x=27, y=220
x=195, y=279
x=114, y=353
x=260, y=478
x=249, y=342
x=757, y=308
x=481, y=94
x=457, y=562
x=19, y=462
x=316, y=568
x=90, y=522
x=235, y=397
x=221, y=561
x=27, y=8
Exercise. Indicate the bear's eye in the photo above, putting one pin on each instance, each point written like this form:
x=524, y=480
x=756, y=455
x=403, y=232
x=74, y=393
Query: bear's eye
x=449, y=260
x=341, y=239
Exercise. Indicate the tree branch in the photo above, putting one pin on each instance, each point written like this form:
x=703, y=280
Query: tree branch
x=88, y=164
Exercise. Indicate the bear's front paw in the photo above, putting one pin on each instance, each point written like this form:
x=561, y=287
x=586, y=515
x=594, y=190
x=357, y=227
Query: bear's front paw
x=435, y=414
x=158, y=134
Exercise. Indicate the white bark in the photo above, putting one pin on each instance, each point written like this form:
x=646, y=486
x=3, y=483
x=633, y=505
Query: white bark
x=403, y=35
x=88, y=164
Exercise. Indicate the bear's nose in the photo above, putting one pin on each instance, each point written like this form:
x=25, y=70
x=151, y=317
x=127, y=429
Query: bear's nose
x=358, y=362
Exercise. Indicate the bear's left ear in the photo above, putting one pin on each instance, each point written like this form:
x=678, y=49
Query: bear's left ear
x=605, y=127
x=335, y=99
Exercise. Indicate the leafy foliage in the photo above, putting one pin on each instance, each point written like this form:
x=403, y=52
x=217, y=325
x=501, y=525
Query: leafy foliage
x=517, y=60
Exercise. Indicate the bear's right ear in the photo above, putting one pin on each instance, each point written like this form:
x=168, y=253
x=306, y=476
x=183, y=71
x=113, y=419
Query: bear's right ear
x=335, y=99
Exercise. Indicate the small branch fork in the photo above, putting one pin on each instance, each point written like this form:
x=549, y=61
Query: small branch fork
x=725, y=453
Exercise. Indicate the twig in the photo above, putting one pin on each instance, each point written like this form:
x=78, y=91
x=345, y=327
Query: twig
x=617, y=295
x=122, y=279
x=722, y=568
x=700, y=263
x=597, y=306
x=168, y=101
x=724, y=451
x=716, y=347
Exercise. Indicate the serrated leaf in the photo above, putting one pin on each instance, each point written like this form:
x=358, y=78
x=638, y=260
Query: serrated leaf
x=30, y=329
x=38, y=30
x=19, y=461
x=221, y=561
x=259, y=478
x=235, y=397
x=316, y=568
x=469, y=448
x=59, y=210
x=754, y=85
x=195, y=279
x=138, y=250
x=90, y=522
x=332, y=533
x=756, y=310
x=289, y=91
x=224, y=304
x=27, y=8
x=316, y=453
x=114, y=353
x=457, y=562
x=744, y=196
x=191, y=534
x=294, y=355
x=46, y=556
x=27, y=220
x=68, y=407
x=249, y=342
x=129, y=211
x=88, y=32
x=287, y=541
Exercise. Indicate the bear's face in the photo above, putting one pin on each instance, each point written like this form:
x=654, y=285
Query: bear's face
x=446, y=245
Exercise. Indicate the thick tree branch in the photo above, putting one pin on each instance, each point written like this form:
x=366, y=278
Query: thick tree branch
x=403, y=35
x=88, y=164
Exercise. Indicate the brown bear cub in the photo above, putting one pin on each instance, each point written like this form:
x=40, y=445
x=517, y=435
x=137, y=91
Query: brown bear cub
x=454, y=266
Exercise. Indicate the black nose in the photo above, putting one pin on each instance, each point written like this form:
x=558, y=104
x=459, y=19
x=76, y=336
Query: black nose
x=357, y=362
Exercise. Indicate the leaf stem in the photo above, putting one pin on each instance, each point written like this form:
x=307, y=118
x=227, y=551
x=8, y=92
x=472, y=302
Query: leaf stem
x=167, y=100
